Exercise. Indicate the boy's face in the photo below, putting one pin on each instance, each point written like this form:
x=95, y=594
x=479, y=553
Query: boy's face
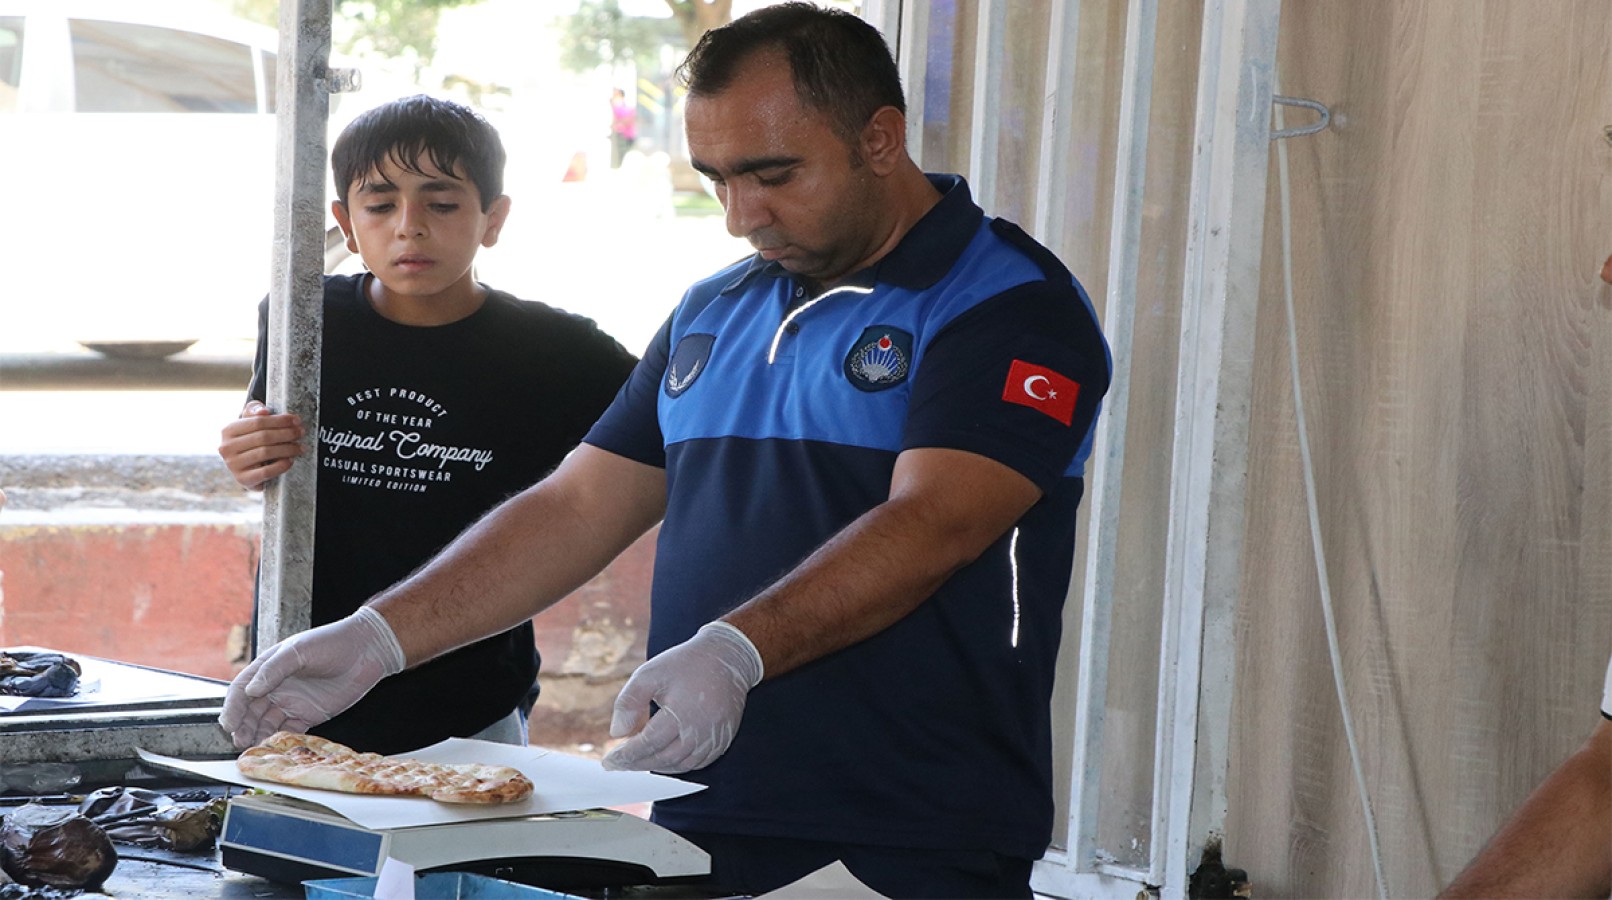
x=418, y=232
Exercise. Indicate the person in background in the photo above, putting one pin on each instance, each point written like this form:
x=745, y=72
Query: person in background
x=623, y=127
x=439, y=398
x=1559, y=842
x=865, y=445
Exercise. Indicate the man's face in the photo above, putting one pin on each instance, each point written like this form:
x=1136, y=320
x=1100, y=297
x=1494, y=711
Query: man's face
x=784, y=176
x=418, y=232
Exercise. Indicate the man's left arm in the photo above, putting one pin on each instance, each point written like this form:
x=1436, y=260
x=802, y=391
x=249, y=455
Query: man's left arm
x=946, y=507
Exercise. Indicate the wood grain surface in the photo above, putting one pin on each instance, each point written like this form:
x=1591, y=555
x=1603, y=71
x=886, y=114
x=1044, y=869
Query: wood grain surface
x=1457, y=375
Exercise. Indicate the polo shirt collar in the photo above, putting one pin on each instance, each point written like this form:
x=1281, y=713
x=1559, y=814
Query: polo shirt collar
x=923, y=256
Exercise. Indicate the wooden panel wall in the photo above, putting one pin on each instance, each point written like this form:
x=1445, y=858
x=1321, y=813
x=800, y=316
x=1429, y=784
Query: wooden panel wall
x=1457, y=369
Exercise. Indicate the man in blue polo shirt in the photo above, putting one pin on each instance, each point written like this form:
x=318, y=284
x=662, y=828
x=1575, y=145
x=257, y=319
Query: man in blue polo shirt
x=866, y=443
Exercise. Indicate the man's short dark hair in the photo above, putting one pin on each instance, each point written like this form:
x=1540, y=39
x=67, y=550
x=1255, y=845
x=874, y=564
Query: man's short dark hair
x=452, y=137
x=840, y=64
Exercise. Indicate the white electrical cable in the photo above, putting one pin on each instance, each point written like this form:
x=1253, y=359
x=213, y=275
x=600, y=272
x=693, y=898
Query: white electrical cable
x=1310, y=502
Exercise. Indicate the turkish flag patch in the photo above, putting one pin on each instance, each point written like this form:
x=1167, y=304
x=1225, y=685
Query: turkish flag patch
x=1040, y=388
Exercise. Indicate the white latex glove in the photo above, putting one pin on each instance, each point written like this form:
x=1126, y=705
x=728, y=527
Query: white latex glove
x=701, y=686
x=310, y=677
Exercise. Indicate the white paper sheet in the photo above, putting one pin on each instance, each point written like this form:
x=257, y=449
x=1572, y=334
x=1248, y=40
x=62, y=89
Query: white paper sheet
x=563, y=783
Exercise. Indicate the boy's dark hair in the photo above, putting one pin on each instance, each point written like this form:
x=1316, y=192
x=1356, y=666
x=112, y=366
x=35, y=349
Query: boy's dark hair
x=840, y=64
x=452, y=137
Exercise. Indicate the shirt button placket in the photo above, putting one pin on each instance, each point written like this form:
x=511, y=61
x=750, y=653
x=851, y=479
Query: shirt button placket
x=793, y=328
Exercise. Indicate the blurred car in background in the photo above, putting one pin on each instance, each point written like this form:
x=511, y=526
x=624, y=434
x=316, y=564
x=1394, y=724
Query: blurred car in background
x=138, y=142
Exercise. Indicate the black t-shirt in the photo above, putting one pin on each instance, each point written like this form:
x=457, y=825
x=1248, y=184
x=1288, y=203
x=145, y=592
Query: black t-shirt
x=422, y=430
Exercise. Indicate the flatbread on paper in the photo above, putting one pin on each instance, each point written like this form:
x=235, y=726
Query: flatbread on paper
x=307, y=761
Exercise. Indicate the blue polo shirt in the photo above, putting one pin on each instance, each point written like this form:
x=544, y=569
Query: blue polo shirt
x=778, y=417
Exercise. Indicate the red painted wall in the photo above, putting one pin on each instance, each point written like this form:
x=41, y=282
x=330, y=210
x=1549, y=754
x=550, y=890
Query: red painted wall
x=159, y=595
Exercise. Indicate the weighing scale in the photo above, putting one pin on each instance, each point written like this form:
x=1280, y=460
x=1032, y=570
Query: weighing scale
x=290, y=840
x=294, y=834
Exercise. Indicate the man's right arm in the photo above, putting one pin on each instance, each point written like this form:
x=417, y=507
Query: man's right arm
x=528, y=553
x=1559, y=843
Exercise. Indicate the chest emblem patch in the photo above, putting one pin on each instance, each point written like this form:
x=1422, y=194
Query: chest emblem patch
x=880, y=359
x=689, y=359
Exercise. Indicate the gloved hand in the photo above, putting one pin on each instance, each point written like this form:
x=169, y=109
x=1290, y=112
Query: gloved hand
x=701, y=686
x=308, y=678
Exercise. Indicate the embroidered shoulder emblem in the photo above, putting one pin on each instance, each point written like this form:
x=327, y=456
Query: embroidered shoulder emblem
x=688, y=362
x=880, y=359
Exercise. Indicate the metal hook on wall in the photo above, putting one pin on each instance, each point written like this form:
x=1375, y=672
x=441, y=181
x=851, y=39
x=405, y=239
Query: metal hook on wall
x=1326, y=117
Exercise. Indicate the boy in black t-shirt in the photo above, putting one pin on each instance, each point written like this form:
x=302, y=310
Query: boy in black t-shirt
x=439, y=397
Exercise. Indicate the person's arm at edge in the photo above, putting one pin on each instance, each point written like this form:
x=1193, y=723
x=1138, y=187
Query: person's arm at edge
x=1559, y=842
x=527, y=554
x=945, y=508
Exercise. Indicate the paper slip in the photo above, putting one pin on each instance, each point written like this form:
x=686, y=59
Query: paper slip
x=395, y=881
x=832, y=882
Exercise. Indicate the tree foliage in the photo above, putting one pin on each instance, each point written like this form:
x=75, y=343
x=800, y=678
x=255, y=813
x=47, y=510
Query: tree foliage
x=696, y=17
x=601, y=34
x=395, y=28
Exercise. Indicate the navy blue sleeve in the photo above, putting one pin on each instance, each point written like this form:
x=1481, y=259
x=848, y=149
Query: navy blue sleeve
x=1018, y=379
x=630, y=427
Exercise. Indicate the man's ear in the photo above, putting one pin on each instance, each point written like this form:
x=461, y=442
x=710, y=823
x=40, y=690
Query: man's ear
x=497, y=214
x=883, y=141
x=338, y=209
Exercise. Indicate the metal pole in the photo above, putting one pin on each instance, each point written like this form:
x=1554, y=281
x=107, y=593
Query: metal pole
x=1080, y=870
x=885, y=15
x=1209, y=458
x=912, y=57
x=1053, y=181
x=1225, y=243
x=296, y=312
x=1119, y=314
x=985, y=120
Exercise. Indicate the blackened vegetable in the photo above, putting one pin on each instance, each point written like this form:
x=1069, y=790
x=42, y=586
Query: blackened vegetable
x=42, y=846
